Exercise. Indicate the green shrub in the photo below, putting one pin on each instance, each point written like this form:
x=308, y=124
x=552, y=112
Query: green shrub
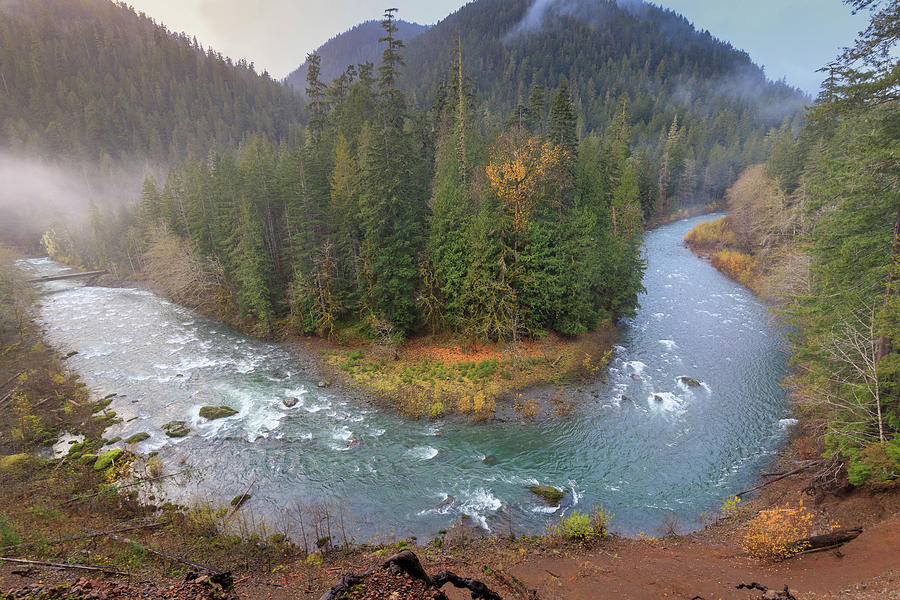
x=582, y=527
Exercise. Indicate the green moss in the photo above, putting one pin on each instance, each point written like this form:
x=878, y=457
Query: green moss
x=176, y=429
x=138, y=437
x=548, y=493
x=107, y=458
x=689, y=381
x=239, y=500
x=87, y=459
x=17, y=464
x=217, y=412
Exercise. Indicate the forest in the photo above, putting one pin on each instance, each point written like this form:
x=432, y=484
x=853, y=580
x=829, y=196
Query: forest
x=376, y=222
x=817, y=230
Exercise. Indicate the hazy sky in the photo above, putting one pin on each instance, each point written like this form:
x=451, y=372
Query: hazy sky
x=790, y=38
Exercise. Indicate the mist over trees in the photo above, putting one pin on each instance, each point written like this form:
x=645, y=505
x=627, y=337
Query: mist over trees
x=90, y=79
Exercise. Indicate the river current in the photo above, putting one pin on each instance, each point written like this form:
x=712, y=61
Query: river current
x=644, y=444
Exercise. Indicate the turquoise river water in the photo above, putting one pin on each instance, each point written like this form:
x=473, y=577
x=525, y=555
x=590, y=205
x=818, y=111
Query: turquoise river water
x=643, y=444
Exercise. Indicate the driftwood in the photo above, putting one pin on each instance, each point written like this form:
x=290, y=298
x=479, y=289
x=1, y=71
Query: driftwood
x=827, y=541
x=779, y=478
x=223, y=578
x=66, y=276
x=785, y=595
x=407, y=562
x=63, y=566
x=81, y=537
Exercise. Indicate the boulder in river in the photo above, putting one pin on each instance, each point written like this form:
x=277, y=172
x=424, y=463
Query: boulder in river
x=689, y=381
x=217, y=412
x=290, y=401
x=138, y=437
x=548, y=493
x=238, y=500
x=323, y=383
x=658, y=398
x=490, y=460
x=176, y=429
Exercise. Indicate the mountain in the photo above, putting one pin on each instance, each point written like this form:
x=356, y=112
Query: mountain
x=91, y=79
x=699, y=110
x=354, y=46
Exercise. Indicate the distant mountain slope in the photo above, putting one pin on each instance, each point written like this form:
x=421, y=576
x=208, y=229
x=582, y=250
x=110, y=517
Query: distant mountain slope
x=354, y=46
x=91, y=79
x=649, y=59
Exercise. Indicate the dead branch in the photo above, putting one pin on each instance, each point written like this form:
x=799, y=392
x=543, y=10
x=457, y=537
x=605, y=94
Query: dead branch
x=223, y=578
x=82, y=537
x=63, y=566
x=779, y=478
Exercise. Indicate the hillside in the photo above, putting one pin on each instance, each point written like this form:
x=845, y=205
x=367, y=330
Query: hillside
x=352, y=47
x=93, y=80
x=699, y=110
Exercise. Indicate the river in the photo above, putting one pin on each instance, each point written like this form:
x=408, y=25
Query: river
x=648, y=447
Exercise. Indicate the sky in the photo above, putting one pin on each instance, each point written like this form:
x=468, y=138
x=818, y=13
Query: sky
x=790, y=38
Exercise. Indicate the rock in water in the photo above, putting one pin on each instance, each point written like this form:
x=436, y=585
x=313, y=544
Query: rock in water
x=176, y=429
x=217, y=412
x=290, y=401
x=689, y=381
x=490, y=460
x=323, y=383
x=548, y=493
x=237, y=501
x=138, y=437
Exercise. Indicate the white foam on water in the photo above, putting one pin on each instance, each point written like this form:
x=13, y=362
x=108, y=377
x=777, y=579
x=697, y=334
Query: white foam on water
x=669, y=344
x=576, y=495
x=668, y=402
x=545, y=509
x=786, y=423
x=478, y=504
x=636, y=366
x=422, y=452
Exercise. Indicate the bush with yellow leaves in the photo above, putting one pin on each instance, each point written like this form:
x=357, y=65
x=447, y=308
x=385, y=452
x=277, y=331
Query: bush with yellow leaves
x=775, y=533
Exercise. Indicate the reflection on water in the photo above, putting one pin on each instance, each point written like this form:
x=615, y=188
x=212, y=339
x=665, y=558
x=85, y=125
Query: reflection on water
x=645, y=443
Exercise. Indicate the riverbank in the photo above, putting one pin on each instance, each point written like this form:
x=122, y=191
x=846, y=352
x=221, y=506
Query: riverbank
x=39, y=507
x=430, y=377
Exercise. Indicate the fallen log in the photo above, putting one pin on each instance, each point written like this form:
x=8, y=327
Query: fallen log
x=66, y=276
x=779, y=478
x=81, y=537
x=827, y=540
x=63, y=566
x=223, y=578
x=407, y=562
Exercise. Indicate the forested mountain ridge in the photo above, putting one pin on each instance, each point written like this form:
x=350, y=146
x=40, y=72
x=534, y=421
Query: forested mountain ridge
x=355, y=46
x=699, y=111
x=93, y=80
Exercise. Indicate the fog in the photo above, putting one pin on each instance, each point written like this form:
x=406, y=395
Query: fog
x=37, y=194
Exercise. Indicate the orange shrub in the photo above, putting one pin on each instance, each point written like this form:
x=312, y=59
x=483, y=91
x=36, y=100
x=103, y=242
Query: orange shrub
x=737, y=265
x=711, y=233
x=774, y=533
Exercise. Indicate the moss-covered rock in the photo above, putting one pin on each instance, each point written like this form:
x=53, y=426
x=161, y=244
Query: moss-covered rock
x=107, y=458
x=217, y=412
x=87, y=459
x=689, y=381
x=176, y=429
x=548, y=493
x=238, y=500
x=137, y=437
